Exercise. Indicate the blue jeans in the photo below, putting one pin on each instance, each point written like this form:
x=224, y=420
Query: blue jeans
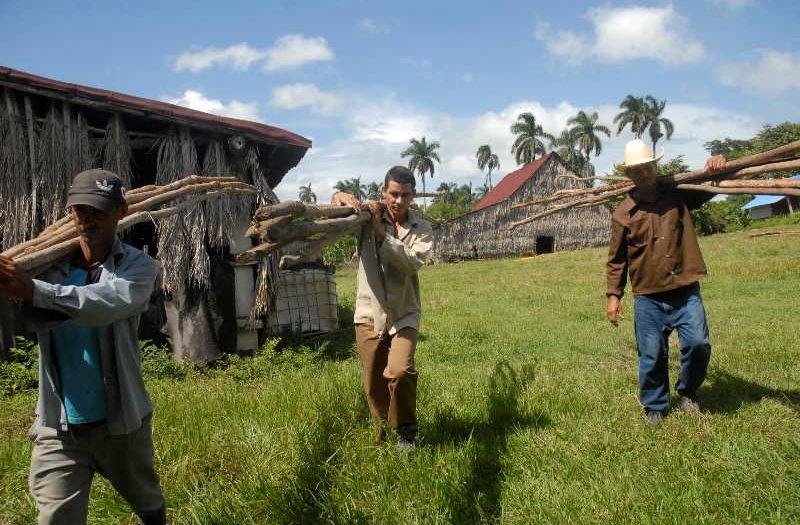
x=655, y=317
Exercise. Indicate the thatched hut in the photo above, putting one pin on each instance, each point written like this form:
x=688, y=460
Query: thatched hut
x=51, y=130
x=483, y=232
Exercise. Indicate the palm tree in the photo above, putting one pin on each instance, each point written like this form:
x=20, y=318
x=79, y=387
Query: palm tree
x=585, y=129
x=566, y=145
x=306, y=195
x=635, y=114
x=655, y=121
x=374, y=191
x=352, y=186
x=487, y=161
x=422, y=156
x=528, y=142
x=446, y=191
x=481, y=192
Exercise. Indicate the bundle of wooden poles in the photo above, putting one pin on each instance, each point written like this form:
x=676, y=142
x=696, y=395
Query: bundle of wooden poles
x=737, y=177
x=146, y=203
x=301, y=231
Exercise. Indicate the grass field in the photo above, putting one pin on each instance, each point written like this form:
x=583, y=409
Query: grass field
x=527, y=408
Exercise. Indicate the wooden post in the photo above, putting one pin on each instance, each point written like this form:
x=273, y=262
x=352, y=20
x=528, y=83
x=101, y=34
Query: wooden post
x=244, y=291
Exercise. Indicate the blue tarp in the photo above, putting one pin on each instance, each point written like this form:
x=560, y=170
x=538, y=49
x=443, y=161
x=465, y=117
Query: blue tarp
x=763, y=200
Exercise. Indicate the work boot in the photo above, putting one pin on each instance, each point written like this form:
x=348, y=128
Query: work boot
x=688, y=404
x=405, y=444
x=653, y=417
x=154, y=517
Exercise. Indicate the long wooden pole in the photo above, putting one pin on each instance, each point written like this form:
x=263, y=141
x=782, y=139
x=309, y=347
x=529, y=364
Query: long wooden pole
x=758, y=164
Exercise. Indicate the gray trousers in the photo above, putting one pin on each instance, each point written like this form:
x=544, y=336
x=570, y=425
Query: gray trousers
x=63, y=465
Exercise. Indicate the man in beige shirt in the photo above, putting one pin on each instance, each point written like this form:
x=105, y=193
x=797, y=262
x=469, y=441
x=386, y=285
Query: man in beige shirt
x=392, y=248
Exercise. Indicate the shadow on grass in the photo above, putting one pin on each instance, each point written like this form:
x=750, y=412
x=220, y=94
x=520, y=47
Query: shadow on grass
x=307, y=499
x=726, y=392
x=480, y=499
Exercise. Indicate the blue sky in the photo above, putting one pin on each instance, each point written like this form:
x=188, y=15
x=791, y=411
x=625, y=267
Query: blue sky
x=360, y=78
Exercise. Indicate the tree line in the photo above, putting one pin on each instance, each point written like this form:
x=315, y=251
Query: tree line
x=575, y=145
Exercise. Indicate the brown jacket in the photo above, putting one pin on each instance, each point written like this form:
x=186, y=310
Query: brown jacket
x=655, y=242
x=388, y=287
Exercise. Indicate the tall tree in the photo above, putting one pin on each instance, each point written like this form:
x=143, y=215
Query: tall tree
x=422, y=156
x=307, y=195
x=374, y=191
x=529, y=138
x=445, y=192
x=487, y=161
x=731, y=148
x=481, y=192
x=773, y=136
x=655, y=122
x=352, y=186
x=633, y=114
x=566, y=145
x=585, y=129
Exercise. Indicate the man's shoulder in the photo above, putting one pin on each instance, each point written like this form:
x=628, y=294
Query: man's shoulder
x=622, y=213
x=132, y=256
x=421, y=223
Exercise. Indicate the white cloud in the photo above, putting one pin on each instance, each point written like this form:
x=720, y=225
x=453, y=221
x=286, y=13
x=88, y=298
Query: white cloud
x=774, y=73
x=387, y=121
x=292, y=51
x=293, y=96
x=236, y=109
x=376, y=131
x=240, y=57
x=626, y=33
x=730, y=4
x=289, y=51
x=373, y=26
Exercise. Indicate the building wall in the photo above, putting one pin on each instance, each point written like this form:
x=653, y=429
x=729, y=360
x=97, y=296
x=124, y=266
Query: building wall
x=783, y=207
x=484, y=233
x=761, y=212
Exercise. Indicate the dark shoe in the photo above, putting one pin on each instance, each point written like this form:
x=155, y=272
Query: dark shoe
x=653, y=417
x=405, y=444
x=154, y=517
x=688, y=404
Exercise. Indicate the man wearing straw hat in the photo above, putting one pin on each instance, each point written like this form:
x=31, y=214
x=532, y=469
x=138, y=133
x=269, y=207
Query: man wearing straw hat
x=393, y=246
x=93, y=413
x=653, y=240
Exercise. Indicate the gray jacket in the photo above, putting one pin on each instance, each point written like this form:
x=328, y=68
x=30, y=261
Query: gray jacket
x=113, y=304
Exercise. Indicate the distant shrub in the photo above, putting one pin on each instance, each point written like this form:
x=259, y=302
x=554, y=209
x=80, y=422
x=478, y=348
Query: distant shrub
x=21, y=372
x=342, y=252
x=722, y=216
x=158, y=363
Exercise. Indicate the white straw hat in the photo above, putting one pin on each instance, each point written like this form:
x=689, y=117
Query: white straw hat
x=636, y=154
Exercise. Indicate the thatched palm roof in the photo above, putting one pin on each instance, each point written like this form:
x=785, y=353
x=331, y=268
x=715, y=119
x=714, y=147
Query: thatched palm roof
x=289, y=147
x=509, y=184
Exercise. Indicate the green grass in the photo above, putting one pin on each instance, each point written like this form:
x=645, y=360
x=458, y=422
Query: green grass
x=527, y=406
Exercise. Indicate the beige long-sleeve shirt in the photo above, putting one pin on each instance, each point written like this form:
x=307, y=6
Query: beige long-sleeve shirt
x=388, y=287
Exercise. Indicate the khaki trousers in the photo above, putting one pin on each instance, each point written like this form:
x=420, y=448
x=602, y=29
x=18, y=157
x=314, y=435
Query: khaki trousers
x=63, y=465
x=390, y=380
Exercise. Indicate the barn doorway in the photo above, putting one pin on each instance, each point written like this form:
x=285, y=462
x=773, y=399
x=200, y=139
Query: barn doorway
x=544, y=244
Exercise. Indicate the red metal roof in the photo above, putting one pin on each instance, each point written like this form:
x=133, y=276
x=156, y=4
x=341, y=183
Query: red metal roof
x=511, y=183
x=154, y=107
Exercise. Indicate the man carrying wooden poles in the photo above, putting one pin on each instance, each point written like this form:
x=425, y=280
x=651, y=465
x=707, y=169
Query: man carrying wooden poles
x=653, y=239
x=93, y=412
x=392, y=248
